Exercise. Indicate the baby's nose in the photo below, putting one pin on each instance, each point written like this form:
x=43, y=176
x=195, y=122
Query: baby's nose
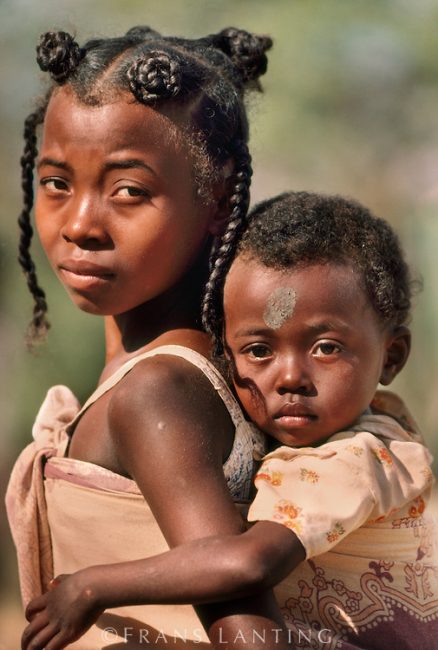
x=292, y=376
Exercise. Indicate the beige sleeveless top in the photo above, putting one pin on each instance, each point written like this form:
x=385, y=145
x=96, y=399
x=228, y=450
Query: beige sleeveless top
x=79, y=514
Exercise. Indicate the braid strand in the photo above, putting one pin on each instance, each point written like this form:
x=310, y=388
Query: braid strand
x=39, y=324
x=212, y=311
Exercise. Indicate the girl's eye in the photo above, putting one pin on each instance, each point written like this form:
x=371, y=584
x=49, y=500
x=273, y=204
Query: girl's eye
x=326, y=349
x=130, y=193
x=54, y=185
x=258, y=351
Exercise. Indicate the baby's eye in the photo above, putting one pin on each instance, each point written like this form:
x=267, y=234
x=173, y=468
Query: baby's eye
x=258, y=351
x=54, y=184
x=326, y=349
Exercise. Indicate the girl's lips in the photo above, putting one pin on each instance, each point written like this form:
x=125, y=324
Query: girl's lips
x=84, y=275
x=84, y=267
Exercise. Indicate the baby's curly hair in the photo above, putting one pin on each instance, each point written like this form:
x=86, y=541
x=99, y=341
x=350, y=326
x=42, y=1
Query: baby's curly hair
x=296, y=229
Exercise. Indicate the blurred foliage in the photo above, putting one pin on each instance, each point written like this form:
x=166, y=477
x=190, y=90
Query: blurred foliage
x=349, y=107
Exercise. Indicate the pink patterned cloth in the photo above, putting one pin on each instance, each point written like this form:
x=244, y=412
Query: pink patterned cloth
x=67, y=514
x=25, y=501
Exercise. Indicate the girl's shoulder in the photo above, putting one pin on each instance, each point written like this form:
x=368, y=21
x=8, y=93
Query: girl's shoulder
x=170, y=411
x=166, y=380
x=168, y=390
x=172, y=370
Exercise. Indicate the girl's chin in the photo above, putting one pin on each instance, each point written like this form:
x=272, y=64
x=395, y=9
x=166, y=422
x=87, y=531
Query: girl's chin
x=88, y=306
x=95, y=308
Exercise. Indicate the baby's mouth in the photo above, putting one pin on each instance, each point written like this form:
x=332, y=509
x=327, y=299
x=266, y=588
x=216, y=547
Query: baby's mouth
x=294, y=409
x=294, y=414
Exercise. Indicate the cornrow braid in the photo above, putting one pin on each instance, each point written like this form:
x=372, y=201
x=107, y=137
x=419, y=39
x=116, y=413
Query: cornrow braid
x=212, y=310
x=39, y=324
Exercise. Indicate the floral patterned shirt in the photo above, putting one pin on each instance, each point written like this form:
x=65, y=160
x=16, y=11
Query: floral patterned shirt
x=358, y=505
x=366, y=474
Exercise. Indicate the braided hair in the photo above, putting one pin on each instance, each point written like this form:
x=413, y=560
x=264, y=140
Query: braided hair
x=296, y=229
x=209, y=76
x=39, y=324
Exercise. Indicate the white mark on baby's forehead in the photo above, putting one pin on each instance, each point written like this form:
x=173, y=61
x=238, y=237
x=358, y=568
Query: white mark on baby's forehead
x=279, y=307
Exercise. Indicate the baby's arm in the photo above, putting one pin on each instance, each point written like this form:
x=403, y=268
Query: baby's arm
x=176, y=461
x=205, y=570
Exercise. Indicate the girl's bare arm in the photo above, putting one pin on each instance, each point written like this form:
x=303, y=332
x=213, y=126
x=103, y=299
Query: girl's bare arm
x=174, y=450
x=182, y=477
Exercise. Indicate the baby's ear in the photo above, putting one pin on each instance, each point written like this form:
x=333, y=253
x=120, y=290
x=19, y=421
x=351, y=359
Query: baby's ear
x=397, y=353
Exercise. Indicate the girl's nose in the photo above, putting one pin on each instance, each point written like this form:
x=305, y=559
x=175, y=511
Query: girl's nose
x=292, y=377
x=84, y=225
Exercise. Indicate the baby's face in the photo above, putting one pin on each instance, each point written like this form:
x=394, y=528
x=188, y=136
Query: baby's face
x=308, y=348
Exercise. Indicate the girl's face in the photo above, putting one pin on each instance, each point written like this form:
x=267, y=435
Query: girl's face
x=307, y=346
x=116, y=207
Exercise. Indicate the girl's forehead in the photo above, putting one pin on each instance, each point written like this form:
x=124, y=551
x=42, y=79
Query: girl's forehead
x=122, y=128
x=121, y=120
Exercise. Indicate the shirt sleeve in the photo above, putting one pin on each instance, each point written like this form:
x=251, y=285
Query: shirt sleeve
x=325, y=493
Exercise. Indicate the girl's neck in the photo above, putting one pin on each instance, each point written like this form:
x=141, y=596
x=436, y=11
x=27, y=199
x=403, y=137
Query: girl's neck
x=171, y=318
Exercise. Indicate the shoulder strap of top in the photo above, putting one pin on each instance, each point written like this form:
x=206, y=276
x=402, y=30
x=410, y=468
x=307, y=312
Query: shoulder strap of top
x=189, y=355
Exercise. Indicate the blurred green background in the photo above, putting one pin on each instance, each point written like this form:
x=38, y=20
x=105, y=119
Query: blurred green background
x=350, y=106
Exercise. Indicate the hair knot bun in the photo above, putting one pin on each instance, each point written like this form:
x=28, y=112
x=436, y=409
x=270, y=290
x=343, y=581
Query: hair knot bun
x=246, y=51
x=155, y=76
x=142, y=33
x=59, y=54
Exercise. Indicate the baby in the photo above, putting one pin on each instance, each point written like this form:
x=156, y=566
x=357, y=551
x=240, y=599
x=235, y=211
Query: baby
x=313, y=318
x=315, y=310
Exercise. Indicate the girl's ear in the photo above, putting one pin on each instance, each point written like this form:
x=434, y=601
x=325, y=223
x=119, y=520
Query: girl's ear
x=222, y=191
x=397, y=353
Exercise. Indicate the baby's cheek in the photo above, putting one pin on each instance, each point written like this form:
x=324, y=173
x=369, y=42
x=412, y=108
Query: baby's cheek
x=252, y=400
x=348, y=401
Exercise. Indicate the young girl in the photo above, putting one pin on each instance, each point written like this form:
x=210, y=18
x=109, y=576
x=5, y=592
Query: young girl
x=314, y=316
x=143, y=163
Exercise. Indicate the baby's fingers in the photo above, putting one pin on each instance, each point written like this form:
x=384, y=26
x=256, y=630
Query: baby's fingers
x=37, y=634
x=35, y=606
x=50, y=638
x=59, y=642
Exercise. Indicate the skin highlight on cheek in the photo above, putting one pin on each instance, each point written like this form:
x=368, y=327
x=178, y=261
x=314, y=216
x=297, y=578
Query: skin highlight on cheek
x=279, y=307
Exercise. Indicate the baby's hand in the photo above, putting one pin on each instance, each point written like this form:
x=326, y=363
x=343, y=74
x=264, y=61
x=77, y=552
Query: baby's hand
x=61, y=615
